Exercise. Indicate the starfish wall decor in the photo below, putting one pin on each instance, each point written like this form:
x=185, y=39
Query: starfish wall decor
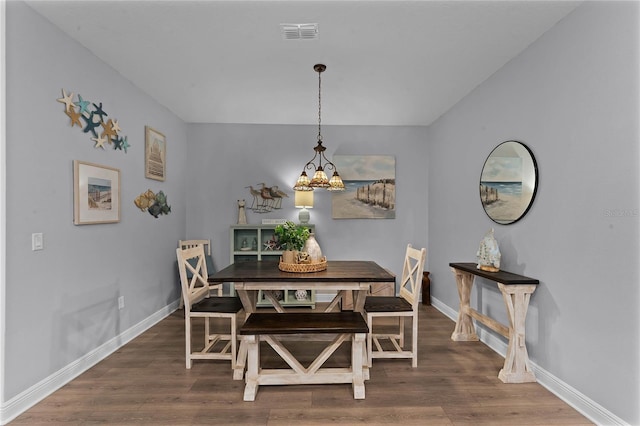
x=94, y=122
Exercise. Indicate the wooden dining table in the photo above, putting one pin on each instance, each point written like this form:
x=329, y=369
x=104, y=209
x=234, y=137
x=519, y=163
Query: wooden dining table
x=341, y=276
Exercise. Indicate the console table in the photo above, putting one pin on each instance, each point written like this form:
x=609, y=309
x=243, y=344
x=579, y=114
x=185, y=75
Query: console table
x=516, y=291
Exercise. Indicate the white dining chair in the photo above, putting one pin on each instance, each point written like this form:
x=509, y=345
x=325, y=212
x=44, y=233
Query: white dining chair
x=199, y=304
x=405, y=305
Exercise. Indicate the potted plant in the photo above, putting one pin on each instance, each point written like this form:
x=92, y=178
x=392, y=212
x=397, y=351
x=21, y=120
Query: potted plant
x=291, y=237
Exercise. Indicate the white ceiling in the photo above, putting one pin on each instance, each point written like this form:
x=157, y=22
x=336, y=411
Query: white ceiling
x=388, y=62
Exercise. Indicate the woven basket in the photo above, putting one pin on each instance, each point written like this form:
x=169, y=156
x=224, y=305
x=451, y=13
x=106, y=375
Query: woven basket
x=303, y=267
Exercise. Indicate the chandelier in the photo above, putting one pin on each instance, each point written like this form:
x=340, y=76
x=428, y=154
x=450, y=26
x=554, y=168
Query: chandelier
x=319, y=179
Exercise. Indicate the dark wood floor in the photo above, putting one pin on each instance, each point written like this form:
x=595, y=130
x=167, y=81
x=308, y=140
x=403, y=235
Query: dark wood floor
x=145, y=382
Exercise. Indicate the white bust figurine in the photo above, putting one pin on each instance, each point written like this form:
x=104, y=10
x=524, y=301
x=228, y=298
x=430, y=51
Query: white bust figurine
x=489, y=254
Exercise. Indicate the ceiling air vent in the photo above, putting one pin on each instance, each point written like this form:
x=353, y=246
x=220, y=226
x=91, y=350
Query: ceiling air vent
x=299, y=31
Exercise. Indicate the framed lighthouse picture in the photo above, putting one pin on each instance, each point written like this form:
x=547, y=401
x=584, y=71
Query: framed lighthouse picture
x=155, y=154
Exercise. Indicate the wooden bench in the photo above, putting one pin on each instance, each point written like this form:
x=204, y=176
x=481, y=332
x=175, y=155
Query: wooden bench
x=272, y=327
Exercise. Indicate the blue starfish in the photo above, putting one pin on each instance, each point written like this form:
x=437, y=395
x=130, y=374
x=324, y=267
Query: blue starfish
x=117, y=143
x=125, y=144
x=91, y=125
x=82, y=104
x=99, y=111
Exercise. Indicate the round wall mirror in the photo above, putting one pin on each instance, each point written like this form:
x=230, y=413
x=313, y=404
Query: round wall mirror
x=508, y=182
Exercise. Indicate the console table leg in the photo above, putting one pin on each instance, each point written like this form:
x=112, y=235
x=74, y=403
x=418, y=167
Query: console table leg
x=464, y=330
x=516, y=363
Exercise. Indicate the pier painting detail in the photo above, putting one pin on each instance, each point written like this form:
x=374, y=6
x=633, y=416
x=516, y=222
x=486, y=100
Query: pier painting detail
x=96, y=194
x=501, y=189
x=370, y=187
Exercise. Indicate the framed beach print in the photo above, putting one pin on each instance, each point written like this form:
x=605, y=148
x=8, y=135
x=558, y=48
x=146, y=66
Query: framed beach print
x=370, y=187
x=155, y=154
x=96, y=194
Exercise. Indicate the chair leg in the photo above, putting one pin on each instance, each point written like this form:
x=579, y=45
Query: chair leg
x=369, y=348
x=401, y=332
x=414, y=341
x=207, y=334
x=187, y=340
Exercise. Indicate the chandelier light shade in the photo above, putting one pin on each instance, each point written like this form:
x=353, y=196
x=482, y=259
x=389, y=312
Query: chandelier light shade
x=319, y=178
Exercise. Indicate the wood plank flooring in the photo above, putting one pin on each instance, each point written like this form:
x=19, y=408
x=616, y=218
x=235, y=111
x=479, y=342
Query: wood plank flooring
x=146, y=383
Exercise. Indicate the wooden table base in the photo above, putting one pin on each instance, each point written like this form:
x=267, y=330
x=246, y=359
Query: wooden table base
x=298, y=374
x=516, y=297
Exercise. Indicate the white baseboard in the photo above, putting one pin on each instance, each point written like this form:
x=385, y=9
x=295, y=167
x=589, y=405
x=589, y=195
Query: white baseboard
x=36, y=393
x=585, y=406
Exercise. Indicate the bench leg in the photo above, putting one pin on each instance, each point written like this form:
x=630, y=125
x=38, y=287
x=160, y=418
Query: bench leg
x=253, y=366
x=357, y=364
x=241, y=360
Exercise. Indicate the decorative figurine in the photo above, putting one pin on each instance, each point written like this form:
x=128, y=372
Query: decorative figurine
x=488, y=253
x=303, y=257
x=266, y=198
x=242, y=215
x=301, y=295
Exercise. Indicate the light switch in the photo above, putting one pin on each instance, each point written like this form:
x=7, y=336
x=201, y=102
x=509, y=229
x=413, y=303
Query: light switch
x=37, y=241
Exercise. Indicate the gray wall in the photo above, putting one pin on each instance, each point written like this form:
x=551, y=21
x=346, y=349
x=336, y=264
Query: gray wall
x=572, y=97
x=61, y=303
x=227, y=158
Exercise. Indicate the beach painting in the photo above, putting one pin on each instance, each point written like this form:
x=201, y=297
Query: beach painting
x=503, y=195
x=96, y=193
x=370, y=187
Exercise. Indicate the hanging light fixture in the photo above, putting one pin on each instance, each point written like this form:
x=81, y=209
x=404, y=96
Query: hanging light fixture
x=319, y=179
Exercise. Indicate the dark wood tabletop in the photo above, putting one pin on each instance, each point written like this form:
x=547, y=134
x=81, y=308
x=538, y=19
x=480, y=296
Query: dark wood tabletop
x=502, y=277
x=337, y=271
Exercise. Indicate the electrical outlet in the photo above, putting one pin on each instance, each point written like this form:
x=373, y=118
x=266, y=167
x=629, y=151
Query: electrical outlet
x=37, y=241
x=121, y=302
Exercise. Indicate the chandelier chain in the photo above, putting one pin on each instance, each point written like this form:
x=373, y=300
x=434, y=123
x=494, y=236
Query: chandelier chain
x=319, y=105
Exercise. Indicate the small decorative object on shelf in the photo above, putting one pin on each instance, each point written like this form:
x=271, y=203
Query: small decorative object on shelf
x=266, y=198
x=242, y=214
x=301, y=294
x=254, y=244
x=488, y=253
